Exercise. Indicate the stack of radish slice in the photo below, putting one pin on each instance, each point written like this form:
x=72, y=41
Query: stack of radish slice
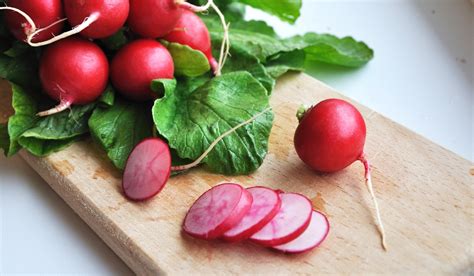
x=282, y=221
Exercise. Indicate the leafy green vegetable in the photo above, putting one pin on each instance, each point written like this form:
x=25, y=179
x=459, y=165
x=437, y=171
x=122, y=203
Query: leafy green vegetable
x=287, y=10
x=108, y=96
x=4, y=138
x=191, y=119
x=284, y=62
x=41, y=147
x=116, y=41
x=159, y=86
x=119, y=128
x=187, y=61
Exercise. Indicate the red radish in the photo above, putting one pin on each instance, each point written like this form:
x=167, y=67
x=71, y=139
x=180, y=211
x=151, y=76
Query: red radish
x=163, y=163
x=291, y=220
x=43, y=13
x=111, y=15
x=148, y=169
x=312, y=237
x=73, y=71
x=266, y=204
x=137, y=64
x=217, y=210
x=330, y=137
x=191, y=31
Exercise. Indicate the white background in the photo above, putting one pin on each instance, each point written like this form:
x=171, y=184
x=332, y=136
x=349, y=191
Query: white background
x=421, y=77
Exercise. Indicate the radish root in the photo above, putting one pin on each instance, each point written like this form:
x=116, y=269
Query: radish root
x=33, y=30
x=214, y=144
x=368, y=181
x=225, y=46
x=59, y=108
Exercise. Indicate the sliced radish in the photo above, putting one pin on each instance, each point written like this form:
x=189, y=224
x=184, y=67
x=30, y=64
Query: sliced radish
x=266, y=204
x=291, y=221
x=313, y=236
x=217, y=210
x=147, y=170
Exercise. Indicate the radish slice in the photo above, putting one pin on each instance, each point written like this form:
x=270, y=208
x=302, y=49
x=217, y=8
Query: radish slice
x=313, y=236
x=266, y=204
x=147, y=170
x=217, y=210
x=292, y=220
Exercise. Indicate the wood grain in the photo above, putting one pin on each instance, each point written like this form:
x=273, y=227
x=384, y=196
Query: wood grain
x=425, y=193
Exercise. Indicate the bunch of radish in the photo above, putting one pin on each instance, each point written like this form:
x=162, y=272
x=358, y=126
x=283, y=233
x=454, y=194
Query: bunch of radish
x=74, y=69
x=282, y=221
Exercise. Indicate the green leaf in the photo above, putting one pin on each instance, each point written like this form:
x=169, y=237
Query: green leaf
x=187, y=61
x=18, y=48
x=4, y=138
x=108, y=96
x=191, y=119
x=25, y=108
x=116, y=41
x=22, y=69
x=119, y=128
x=42, y=148
x=284, y=62
x=287, y=10
x=159, y=86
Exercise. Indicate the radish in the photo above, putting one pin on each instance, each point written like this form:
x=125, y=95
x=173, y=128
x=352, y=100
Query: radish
x=148, y=168
x=104, y=17
x=312, y=237
x=291, y=221
x=24, y=17
x=157, y=18
x=330, y=137
x=191, y=31
x=73, y=71
x=266, y=204
x=137, y=64
x=139, y=164
x=217, y=210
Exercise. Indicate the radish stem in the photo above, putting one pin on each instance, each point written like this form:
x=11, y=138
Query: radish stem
x=213, y=144
x=368, y=181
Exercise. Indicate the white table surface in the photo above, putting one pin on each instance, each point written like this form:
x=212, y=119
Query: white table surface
x=421, y=77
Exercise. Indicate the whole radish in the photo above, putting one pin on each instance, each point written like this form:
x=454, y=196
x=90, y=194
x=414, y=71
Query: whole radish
x=190, y=30
x=111, y=16
x=73, y=71
x=331, y=136
x=137, y=64
x=43, y=13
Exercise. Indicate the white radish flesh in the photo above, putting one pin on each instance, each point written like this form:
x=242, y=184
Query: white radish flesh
x=291, y=221
x=312, y=237
x=266, y=204
x=217, y=210
x=148, y=169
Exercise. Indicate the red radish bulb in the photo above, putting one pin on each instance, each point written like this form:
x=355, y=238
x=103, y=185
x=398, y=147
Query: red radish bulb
x=153, y=18
x=330, y=137
x=190, y=30
x=111, y=15
x=266, y=204
x=311, y=238
x=217, y=210
x=73, y=71
x=137, y=64
x=291, y=221
x=42, y=12
x=148, y=169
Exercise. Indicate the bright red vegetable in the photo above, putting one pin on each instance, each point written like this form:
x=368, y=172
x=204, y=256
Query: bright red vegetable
x=330, y=137
x=311, y=238
x=291, y=221
x=148, y=169
x=111, y=15
x=42, y=12
x=266, y=204
x=217, y=210
x=137, y=64
x=153, y=18
x=73, y=71
x=190, y=30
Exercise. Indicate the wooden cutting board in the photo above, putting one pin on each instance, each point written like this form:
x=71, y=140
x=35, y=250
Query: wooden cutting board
x=425, y=193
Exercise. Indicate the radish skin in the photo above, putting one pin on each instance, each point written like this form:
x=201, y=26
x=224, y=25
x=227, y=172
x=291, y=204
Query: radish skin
x=65, y=64
x=291, y=221
x=265, y=206
x=217, y=210
x=147, y=170
x=311, y=238
x=331, y=136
